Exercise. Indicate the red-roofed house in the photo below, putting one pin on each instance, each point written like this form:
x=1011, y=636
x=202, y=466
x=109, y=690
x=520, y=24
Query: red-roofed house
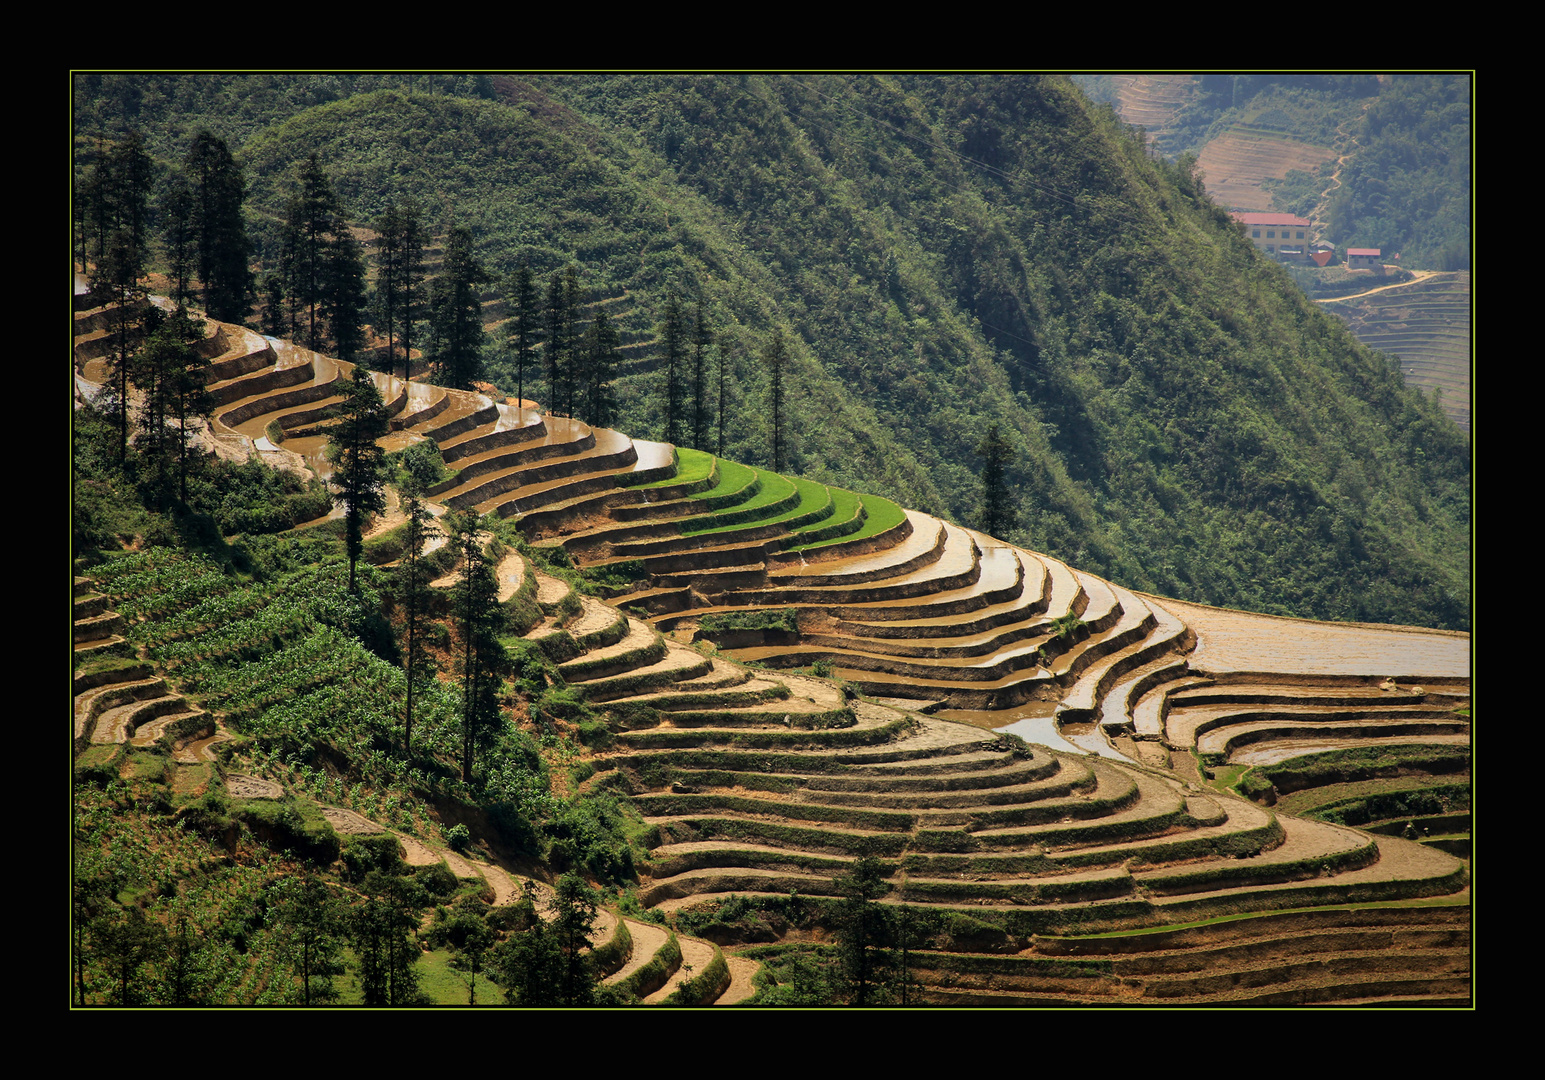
x=1365, y=259
x=1283, y=235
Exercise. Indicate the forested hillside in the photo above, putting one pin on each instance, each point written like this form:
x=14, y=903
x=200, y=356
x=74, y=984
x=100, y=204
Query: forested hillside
x=943, y=254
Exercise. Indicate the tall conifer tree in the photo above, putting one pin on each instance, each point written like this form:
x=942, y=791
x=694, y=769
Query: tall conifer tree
x=343, y=294
x=357, y=458
x=482, y=655
x=702, y=340
x=400, y=270
x=520, y=295
x=777, y=360
x=456, y=317
x=313, y=225
x=998, y=514
x=672, y=345
x=224, y=251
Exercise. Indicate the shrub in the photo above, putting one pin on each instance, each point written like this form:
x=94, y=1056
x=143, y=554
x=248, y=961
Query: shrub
x=373, y=851
x=293, y=827
x=765, y=619
x=437, y=880
x=595, y=734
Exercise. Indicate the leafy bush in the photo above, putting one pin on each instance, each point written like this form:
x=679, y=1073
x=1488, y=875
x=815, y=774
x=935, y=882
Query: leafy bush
x=437, y=880
x=760, y=619
x=294, y=827
x=371, y=852
x=591, y=833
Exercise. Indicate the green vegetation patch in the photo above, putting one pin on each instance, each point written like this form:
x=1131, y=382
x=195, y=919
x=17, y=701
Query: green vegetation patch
x=735, y=482
x=443, y=984
x=691, y=466
x=813, y=502
x=1364, y=763
x=845, y=504
x=758, y=619
x=882, y=515
x=1412, y=802
x=772, y=492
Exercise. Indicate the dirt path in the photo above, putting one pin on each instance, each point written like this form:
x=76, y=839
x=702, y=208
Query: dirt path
x=742, y=970
x=695, y=957
x=1417, y=276
x=648, y=939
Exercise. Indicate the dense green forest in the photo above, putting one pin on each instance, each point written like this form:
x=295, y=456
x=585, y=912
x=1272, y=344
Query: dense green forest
x=943, y=255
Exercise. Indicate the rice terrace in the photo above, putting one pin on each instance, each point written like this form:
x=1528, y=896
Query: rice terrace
x=406, y=672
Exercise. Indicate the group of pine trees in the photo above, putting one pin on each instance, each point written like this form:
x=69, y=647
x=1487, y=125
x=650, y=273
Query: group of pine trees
x=316, y=293
x=320, y=286
x=202, y=228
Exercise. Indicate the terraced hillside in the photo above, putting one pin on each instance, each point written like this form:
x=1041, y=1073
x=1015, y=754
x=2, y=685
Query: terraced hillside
x=1236, y=162
x=1151, y=101
x=922, y=647
x=1427, y=325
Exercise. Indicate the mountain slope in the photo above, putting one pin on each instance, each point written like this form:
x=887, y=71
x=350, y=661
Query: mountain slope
x=947, y=252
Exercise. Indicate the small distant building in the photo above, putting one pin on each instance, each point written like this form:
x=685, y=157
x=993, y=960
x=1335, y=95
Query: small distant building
x=1282, y=236
x=1322, y=255
x=1365, y=259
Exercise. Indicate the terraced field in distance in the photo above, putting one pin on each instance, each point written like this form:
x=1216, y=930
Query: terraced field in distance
x=1427, y=324
x=896, y=655
x=1236, y=162
x=1151, y=101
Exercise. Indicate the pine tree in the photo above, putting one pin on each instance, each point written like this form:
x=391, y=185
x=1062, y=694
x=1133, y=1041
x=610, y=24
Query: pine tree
x=179, y=236
x=381, y=929
x=220, y=229
x=554, y=351
x=185, y=972
x=388, y=259
x=170, y=371
x=357, y=458
x=410, y=279
x=132, y=174
x=998, y=515
x=482, y=655
x=413, y=588
x=521, y=298
x=126, y=942
x=343, y=294
x=600, y=366
x=777, y=360
x=574, y=374
x=672, y=340
x=313, y=223
x=115, y=278
x=273, y=303
x=702, y=340
x=311, y=924
x=863, y=931
x=399, y=271
x=576, y=906
x=456, y=317
x=530, y=965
